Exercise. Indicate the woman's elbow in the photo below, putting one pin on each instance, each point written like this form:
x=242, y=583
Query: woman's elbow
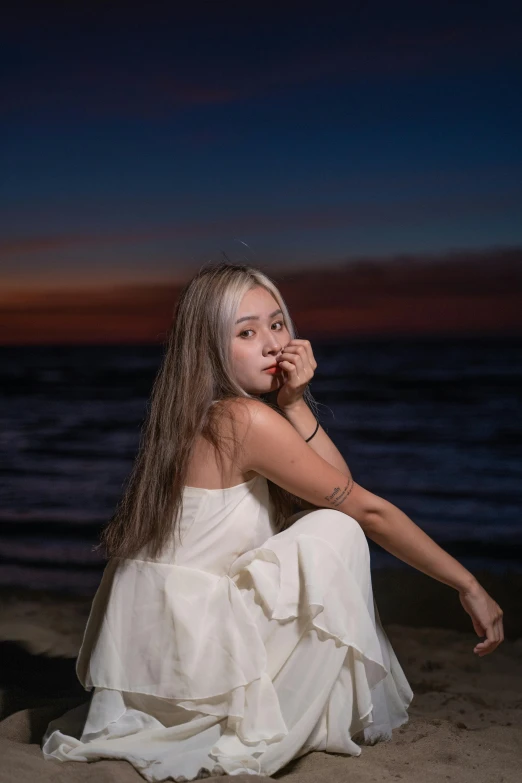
x=371, y=510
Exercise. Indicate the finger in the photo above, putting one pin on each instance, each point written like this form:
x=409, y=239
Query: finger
x=293, y=352
x=483, y=644
x=491, y=641
x=294, y=358
x=304, y=372
x=478, y=627
x=296, y=350
x=300, y=341
x=307, y=346
x=299, y=354
x=290, y=368
x=499, y=630
x=501, y=623
x=492, y=636
x=484, y=648
x=493, y=646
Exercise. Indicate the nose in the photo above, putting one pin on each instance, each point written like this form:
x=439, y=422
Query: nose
x=275, y=346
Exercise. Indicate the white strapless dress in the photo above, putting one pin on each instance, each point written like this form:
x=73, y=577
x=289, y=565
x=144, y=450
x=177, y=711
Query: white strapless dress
x=237, y=651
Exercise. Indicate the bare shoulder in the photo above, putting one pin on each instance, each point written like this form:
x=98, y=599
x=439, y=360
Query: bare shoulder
x=248, y=421
x=231, y=420
x=273, y=448
x=245, y=411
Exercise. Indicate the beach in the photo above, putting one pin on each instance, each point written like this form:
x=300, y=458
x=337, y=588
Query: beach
x=465, y=718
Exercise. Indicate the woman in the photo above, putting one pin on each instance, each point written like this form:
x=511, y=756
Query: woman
x=231, y=633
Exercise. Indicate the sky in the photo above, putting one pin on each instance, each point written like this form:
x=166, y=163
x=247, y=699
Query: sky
x=139, y=142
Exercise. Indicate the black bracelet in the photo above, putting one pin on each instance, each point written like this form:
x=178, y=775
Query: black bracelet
x=311, y=436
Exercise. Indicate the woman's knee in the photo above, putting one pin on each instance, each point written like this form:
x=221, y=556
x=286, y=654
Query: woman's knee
x=351, y=523
x=328, y=518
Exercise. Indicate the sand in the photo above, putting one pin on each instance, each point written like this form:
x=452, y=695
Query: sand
x=465, y=719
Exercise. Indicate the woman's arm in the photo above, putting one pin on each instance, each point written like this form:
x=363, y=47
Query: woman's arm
x=273, y=448
x=395, y=532
x=391, y=528
x=303, y=420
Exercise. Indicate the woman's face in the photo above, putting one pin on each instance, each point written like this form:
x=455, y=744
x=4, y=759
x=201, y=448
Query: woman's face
x=258, y=341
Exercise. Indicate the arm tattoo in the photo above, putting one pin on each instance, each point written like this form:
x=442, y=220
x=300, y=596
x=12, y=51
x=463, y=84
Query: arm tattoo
x=338, y=495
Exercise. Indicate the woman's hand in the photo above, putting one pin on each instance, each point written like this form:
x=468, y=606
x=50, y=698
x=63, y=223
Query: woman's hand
x=299, y=365
x=486, y=616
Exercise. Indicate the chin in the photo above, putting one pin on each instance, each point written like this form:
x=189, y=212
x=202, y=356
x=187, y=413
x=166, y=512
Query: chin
x=265, y=389
x=271, y=384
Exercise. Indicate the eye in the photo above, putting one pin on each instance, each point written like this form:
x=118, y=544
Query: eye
x=281, y=323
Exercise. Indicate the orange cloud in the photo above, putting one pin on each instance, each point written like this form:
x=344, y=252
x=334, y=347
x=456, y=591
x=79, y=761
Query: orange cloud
x=458, y=293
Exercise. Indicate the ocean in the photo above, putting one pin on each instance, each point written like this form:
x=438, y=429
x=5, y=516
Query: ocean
x=434, y=425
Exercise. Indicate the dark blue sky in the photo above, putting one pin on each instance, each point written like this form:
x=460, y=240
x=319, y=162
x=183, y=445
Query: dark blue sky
x=137, y=143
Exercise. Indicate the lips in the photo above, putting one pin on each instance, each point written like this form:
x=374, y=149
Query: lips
x=273, y=369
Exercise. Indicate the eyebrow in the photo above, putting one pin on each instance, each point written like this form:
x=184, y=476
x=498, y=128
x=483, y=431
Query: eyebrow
x=256, y=317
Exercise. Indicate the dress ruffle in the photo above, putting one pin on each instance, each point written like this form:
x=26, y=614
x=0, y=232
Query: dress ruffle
x=195, y=642
x=184, y=635
x=190, y=638
x=303, y=575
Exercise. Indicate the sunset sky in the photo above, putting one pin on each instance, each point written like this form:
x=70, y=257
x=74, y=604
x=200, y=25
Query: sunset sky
x=141, y=141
